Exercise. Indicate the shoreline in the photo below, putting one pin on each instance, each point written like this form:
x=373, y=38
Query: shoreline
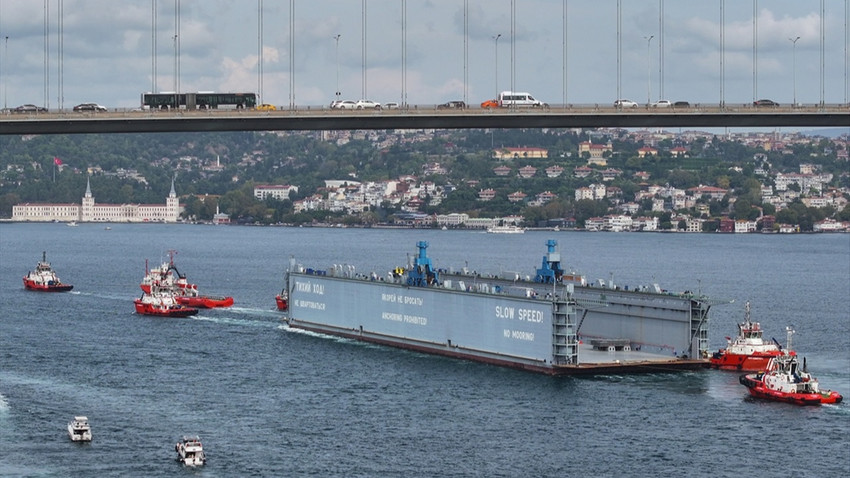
x=392, y=226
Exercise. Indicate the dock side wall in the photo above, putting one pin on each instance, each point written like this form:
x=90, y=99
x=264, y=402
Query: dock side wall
x=507, y=326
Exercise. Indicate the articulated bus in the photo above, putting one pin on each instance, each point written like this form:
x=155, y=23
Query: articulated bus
x=200, y=100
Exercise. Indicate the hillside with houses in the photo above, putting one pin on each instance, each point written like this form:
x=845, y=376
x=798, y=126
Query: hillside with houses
x=598, y=180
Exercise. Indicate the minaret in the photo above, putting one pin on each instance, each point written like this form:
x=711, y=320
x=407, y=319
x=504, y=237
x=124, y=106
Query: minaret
x=87, y=211
x=172, y=205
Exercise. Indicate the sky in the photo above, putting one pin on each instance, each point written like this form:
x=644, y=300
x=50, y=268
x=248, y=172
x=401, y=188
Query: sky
x=107, y=50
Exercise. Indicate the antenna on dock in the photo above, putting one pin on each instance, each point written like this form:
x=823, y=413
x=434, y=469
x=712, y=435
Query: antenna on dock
x=789, y=331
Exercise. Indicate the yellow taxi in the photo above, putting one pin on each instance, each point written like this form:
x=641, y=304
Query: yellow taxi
x=265, y=107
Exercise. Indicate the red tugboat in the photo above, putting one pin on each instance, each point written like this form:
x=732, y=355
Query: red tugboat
x=162, y=303
x=167, y=277
x=783, y=381
x=43, y=278
x=282, y=300
x=748, y=352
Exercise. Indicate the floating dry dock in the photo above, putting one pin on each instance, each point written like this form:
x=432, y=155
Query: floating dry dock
x=556, y=324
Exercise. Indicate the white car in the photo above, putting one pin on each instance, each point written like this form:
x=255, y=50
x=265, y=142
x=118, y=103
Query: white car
x=662, y=104
x=625, y=104
x=343, y=105
x=391, y=105
x=367, y=105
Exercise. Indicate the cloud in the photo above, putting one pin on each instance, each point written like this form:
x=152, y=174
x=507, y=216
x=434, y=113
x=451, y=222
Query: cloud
x=773, y=33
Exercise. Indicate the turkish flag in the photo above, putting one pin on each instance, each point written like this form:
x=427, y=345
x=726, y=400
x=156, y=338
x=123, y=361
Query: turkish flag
x=57, y=161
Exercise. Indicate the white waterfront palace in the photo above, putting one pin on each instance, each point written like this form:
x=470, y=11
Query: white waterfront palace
x=88, y=211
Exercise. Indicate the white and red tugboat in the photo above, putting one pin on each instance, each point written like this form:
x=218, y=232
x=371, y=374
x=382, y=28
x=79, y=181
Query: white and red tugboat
x=43, y=278
x=162, y=303
x=190, y=451
x=167, y=278
x=784, y=381
x=748, y=352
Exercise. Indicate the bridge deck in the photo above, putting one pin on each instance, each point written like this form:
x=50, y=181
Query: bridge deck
x=319, y=118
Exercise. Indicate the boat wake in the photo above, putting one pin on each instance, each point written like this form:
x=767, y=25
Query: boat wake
x=236, y=321
x=334, y=338
x=310, y=333
x=84, y=392
x=123, y=297
x=253, y=311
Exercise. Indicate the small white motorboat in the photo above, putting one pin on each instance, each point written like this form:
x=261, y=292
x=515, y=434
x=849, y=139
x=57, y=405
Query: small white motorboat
x=79, y=429
x=190, y=451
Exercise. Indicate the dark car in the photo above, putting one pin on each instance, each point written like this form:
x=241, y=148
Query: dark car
x=89, y=107
x=765, y=103
x=451, y=105
x=30, y=109
x=681, y=104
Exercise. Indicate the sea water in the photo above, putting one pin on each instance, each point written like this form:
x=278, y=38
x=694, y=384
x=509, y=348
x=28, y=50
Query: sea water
x=270, y=401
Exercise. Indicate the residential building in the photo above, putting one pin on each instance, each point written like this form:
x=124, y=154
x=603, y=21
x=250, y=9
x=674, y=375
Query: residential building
x=646, y=224
x=527, y=172
x=502, y=170
x=275, y=191
x=582, y=172
x=610, y=174
x=516, y=196
x=486, y=194
x=742, y=226
x=710, y=191
x=554, y=171
x=693, y=224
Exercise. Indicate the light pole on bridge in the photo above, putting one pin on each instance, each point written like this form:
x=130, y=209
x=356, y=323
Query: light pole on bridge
x=176, y=74
x=6, y=60
x=336, y=39
x=648, y=70
x=496, y=76
x=794, y=65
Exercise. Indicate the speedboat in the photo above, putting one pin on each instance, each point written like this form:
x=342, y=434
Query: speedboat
x=43, y=278
x=162, y=303
x=79, y=429
x=783, y=381
x=166, y=277
x=190, y=451
x=749, y=352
